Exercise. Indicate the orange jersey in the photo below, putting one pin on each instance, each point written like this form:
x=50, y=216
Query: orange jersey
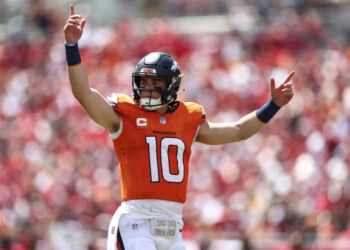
x=154, y=150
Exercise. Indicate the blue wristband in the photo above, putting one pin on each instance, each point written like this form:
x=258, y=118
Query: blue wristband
x=72, y=54
x=266, y=112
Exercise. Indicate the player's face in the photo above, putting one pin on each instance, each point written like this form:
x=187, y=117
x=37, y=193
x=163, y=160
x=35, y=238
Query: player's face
x=151, y=82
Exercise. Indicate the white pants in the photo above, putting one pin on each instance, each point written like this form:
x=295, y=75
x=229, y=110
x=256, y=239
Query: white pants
x=135, y=234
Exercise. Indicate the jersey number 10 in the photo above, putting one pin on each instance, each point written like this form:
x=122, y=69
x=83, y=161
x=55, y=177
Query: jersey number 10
x=165, y=143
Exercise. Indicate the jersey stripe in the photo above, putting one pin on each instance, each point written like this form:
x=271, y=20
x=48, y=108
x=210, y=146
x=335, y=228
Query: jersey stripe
x=120, y=243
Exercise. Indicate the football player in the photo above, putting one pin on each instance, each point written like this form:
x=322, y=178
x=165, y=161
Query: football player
x=152, y=135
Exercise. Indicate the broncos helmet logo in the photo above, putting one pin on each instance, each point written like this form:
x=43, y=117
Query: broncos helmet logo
x=174, y=67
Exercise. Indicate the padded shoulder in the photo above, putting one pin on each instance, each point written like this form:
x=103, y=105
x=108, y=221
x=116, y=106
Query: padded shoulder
x=115, y=98
x=196, y=109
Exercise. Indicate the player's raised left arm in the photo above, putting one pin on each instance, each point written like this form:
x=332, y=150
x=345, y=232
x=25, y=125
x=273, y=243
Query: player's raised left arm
x=248, y=125
x=91, y=100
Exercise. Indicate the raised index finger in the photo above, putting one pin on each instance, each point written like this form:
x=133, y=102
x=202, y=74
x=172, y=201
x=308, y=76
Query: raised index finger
x=289, y=77
x=71, y=10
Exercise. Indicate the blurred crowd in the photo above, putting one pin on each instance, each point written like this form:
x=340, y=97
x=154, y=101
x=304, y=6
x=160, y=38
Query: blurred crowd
x=287, y=187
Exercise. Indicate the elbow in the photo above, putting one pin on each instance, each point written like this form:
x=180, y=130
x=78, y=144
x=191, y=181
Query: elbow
x=242, y=133
x=244, y=137
x=79, y=96
x=239, y=133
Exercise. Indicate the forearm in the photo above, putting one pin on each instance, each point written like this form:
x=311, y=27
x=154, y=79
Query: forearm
x=248, y=126
x=255, y=121
x=78, y=81
x=222, y=133
x=76, y=72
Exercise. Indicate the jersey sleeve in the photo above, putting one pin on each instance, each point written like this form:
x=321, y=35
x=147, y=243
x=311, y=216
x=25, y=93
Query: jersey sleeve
x=119, y=102
x=197, y=112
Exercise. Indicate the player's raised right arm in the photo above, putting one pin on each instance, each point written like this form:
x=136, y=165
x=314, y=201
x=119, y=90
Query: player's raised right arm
x=92, y=101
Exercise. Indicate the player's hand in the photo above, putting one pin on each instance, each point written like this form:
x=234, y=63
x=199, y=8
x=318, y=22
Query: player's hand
x=74, y=27
x=284, y=93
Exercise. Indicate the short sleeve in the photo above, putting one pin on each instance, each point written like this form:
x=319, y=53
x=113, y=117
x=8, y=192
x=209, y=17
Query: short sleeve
x=112, y=99
x=196, y=111
x=120, y=102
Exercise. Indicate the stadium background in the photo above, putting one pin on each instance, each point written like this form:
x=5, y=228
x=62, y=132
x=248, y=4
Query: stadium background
x=287, y=187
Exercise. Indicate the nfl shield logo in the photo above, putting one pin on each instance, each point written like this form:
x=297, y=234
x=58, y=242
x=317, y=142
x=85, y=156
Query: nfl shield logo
x=135, y=226
x=162, y=120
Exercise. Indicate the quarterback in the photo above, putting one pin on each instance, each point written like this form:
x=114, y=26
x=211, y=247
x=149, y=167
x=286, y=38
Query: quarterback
x=152, y=135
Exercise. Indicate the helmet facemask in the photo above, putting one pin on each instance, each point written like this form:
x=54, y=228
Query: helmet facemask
x=150, y=102
x=162, y=65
